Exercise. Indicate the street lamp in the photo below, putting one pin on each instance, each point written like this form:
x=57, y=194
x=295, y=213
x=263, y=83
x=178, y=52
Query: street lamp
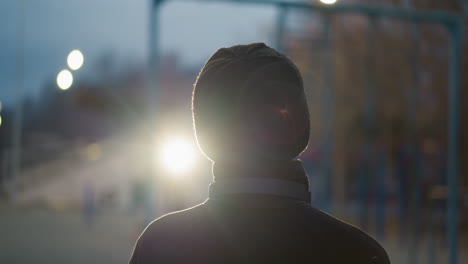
x=75, y=59
x=177, y=155
x=64, y=79
x=328, y=2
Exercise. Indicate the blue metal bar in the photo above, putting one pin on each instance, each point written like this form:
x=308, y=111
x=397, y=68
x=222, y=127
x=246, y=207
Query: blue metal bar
x=378, y=11
x=416, y=199
x=432, y=233
x=415, y=155
x=452, y=168
x=19, y=100
x=381, y=196
x=364, y=189
x=280, y=27
x=152, y=88
x=328, y=114
x=152, y=100
x=369, y=127
x=402, y=172
x=369, y=111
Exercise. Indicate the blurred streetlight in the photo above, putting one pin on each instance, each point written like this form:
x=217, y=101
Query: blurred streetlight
x=64, y=79
x=328, y=2
x=75, y=59
x=177, y=155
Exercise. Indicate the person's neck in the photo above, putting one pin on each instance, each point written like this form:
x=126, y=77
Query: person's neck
x=289, y=170
x=278, y=178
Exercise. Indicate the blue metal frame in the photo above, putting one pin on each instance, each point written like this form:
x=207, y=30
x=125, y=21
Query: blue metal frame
x=280, y=27
x=452, y=23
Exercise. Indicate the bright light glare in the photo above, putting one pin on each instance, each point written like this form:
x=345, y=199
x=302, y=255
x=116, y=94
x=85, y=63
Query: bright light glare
x=75, y=59
x=177, y=155
x=0, y=120
x=328, y=2
x=64, y=79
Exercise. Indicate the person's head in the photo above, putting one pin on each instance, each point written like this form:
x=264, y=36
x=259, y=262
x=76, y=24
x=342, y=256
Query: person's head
x=249, y=104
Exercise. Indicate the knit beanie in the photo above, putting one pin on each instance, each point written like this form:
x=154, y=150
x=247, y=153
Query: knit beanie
x=249, y=104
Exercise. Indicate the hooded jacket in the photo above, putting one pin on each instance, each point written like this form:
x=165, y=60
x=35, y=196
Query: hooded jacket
x=251, y=118
x=255, y=225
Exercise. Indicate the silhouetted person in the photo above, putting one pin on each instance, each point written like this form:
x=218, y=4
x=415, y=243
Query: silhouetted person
x=251, y=119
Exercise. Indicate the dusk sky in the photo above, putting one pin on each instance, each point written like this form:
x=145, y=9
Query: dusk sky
x=120, y=28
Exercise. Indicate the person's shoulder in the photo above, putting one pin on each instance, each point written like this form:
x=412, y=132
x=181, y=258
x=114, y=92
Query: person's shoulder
x=160, y=238
x=175, y=221
x=349, y=236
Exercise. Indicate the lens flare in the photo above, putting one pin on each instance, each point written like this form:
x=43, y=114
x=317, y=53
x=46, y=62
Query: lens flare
x=177, y=155
x=64, y=79
x=75, y=59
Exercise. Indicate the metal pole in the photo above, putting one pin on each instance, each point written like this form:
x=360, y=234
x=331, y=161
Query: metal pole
x=431, y=236
x=416, y=209
x=380, y=190
x=452, y=168
x=18, y=114
x=328, y=113
x=370, y=80
x=280, y=27
x=415, y=154
x=153, y=56
x=152, y=88
x=369, y=128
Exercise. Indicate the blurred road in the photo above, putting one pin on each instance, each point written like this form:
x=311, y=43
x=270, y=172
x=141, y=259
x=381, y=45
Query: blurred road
x=38, y=235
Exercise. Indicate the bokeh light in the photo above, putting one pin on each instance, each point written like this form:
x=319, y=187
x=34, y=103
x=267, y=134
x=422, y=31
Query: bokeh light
x=93, y=151
x=64, y=79
x=0, y=120
x=328, y=2
x=177, y=155
x=75, y=59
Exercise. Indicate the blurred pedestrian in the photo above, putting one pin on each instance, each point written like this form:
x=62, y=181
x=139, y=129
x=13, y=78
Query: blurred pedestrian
x=251, y=119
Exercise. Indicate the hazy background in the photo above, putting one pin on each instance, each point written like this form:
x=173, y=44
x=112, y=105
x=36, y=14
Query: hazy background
x=102, y=157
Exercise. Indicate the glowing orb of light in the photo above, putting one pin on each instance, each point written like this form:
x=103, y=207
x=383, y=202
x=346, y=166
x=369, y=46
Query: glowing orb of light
x=328, y=2
x=177, y=155
x=93, y=151
x=75, y=59
x=64, y=79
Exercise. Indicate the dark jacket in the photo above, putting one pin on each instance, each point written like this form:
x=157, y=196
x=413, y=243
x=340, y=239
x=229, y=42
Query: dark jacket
x=254, y=228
